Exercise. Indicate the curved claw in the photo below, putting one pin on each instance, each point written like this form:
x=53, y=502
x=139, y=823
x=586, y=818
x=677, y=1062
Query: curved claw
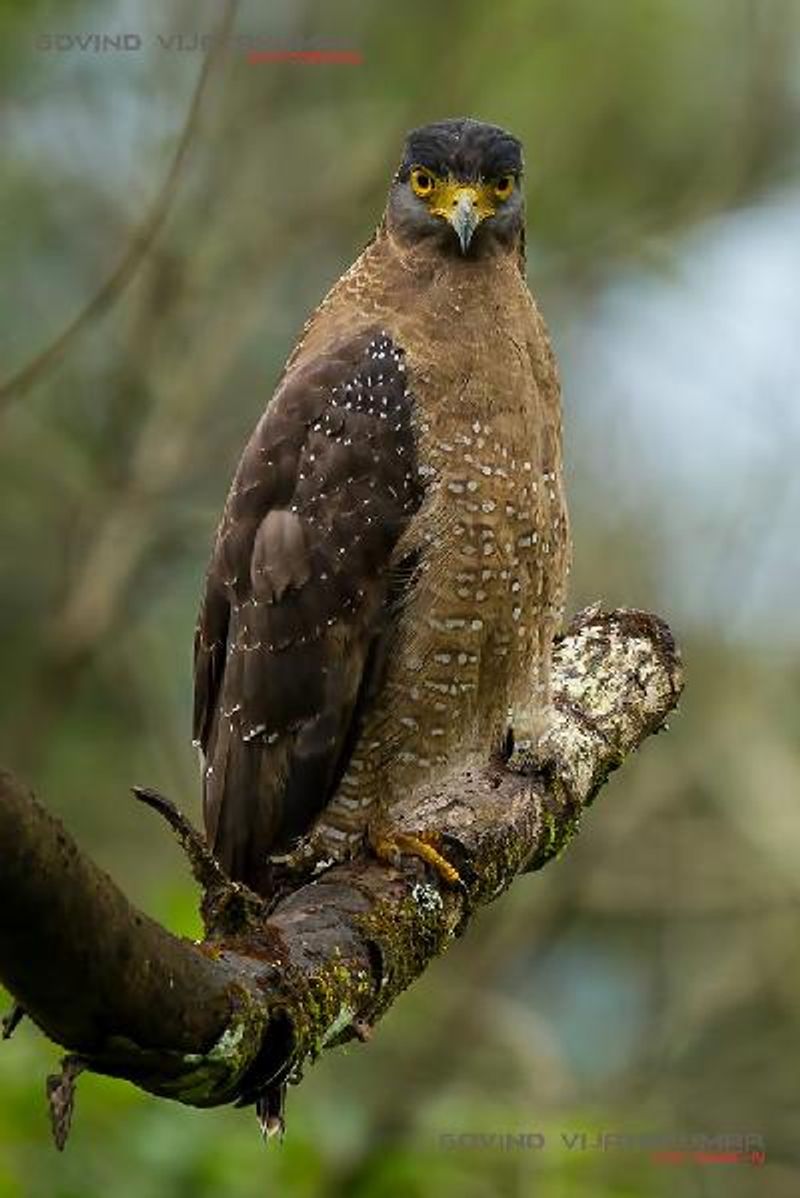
x=390, y=845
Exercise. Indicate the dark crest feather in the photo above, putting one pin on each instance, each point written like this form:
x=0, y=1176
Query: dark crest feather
x=463, y=148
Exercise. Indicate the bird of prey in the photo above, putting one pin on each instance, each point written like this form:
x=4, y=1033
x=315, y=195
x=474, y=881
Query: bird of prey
x=389, y=570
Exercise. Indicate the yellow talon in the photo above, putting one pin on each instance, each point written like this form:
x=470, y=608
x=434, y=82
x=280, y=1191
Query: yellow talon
x=389, y=846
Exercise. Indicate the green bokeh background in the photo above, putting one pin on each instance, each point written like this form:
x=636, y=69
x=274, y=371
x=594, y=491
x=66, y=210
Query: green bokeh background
x=646, y=982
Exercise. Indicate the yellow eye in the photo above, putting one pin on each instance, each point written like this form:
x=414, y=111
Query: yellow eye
x=504, y=186
x=421, y=182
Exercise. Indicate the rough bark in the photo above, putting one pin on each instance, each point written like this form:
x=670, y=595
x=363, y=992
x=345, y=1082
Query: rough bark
x=265, y=992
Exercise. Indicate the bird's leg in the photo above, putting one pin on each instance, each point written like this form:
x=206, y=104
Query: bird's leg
x=308, y=859
x=390, y=845
x=313, y=855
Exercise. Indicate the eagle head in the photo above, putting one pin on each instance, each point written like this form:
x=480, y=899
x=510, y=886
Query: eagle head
x=458, y=185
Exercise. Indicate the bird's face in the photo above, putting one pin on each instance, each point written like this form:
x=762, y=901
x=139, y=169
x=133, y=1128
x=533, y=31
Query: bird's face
x=459, y=186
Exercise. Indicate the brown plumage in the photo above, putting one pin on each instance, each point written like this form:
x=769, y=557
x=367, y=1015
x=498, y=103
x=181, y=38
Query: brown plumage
x=390, y=566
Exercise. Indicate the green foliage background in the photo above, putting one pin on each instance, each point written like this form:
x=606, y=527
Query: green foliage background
x=648, y=981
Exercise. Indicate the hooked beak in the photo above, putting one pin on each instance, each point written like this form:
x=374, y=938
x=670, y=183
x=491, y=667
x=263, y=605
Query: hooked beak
x=464, y=215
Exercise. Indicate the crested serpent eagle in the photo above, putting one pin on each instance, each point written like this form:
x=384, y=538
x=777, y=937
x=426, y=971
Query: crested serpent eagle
x=389, y=570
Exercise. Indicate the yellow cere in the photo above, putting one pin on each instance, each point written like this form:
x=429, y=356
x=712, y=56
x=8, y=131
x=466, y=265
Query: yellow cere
x=443, y=194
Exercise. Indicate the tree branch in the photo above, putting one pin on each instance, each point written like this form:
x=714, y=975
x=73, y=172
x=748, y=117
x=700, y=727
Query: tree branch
x=237, y=1016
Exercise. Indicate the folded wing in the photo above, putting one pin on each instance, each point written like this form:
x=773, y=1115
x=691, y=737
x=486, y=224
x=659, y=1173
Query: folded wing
x=296, y=608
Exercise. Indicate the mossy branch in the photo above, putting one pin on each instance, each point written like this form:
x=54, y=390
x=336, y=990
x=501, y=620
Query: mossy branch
x=236, y=1017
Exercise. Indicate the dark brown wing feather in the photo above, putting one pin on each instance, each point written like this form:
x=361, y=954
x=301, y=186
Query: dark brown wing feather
x=297, y=596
